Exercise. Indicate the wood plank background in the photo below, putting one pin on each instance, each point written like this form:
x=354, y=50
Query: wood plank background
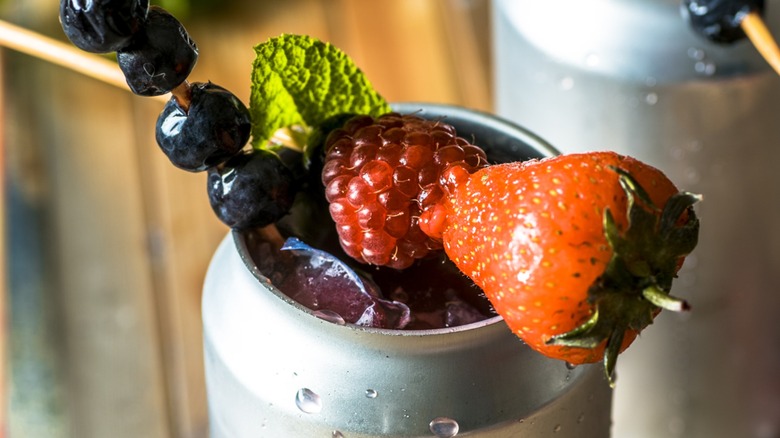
x=110, y=243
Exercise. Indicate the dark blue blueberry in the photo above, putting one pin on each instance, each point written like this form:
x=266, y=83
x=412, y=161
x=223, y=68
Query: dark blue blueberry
x=102, y=26
x=160, y=57
x=252, y=189
x=719, y=20
x=214, y=128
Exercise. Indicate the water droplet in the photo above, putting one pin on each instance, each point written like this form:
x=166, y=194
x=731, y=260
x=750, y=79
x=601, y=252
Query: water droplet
x=706, y=68
x=371, y=393
x=651, y=98
x=696, y=53
x=557, y=428
x=330, y=316
x=566, y=84
x=570, y=366
x=308, y=401
x=581, y=418
x=337, y=434
x=444, y=427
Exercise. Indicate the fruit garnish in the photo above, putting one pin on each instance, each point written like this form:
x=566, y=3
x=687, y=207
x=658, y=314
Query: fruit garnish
x=300, y=81
x=215, y=127
x=252, y=189
x=576, y=252
x=381, y=175
x=102, y=26
x=159, y=57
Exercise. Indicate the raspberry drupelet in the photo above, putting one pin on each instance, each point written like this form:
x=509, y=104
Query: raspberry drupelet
x=384, y=179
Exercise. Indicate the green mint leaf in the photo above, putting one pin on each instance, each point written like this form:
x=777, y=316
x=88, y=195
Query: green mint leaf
x=299, y=80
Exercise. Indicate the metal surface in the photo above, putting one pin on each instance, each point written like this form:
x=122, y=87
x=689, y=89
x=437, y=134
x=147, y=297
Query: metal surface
x=631, y=76
x=275, y=370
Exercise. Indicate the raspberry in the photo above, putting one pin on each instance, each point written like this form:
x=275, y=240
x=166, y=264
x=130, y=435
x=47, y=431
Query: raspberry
x=386, y=178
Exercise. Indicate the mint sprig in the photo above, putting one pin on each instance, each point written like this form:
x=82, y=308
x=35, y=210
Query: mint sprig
x=298, y=80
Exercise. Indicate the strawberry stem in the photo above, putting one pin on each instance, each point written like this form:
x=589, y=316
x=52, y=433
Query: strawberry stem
x=663, y=300
x=635, y=284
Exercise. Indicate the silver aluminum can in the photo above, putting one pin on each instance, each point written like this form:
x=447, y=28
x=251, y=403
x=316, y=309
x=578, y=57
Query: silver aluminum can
x=632, y=76
x=274, y=369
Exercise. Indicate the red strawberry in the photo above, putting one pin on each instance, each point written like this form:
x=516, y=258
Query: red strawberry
x=572, y=251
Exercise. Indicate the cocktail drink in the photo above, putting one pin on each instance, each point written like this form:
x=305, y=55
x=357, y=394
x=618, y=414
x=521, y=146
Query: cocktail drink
x=276, y=368
x=407, y=270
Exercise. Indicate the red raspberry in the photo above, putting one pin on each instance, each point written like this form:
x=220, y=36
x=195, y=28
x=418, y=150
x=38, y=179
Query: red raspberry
x=385, y=179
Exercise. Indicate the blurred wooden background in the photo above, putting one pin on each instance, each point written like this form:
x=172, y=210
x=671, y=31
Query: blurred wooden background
x=107, y=244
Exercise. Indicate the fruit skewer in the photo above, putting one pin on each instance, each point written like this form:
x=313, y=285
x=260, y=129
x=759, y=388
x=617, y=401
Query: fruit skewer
x=617, y=246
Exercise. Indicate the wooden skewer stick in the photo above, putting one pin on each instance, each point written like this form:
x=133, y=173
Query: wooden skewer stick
x=89, y=64
x=57, y=52
x=755, y=29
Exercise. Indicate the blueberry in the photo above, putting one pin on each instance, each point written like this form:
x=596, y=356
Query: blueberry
x=252, y=189
x=719, y=20
x=102, y=26
x=214, y=128
x=160, y=57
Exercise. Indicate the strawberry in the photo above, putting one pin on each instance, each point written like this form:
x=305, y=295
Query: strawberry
x=576, y=252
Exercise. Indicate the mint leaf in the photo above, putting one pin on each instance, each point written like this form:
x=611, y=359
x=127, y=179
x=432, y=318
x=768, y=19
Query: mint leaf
x=299, y=80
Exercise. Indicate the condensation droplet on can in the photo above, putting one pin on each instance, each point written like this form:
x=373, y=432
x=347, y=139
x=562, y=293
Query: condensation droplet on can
x=705, y=68
x=651, y=98
x=581, y=418
x=696, y=53
x=371, y=393
x=566, y=83
x=308, y=401
x=337, y=434
x=557, y=428
x=330, y=316
x=444, y=427
x=570, y=366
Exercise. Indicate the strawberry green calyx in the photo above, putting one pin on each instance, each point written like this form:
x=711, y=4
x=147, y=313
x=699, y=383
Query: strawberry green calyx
x=636, y=283
x=299, y=81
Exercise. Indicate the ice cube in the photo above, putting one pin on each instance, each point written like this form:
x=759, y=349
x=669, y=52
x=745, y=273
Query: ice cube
x=320, y=281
